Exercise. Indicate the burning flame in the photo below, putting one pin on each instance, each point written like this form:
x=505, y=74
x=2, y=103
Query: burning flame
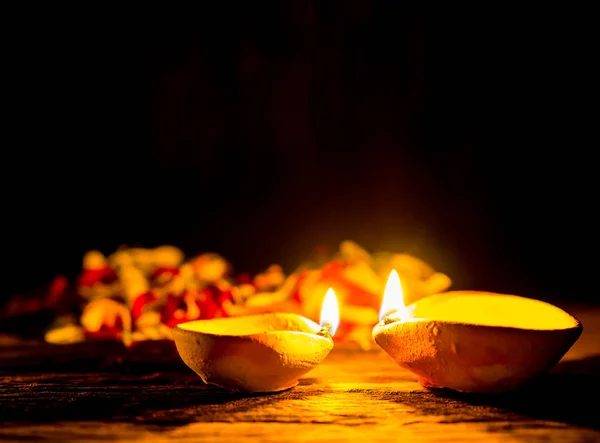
x=330, y=312
x=393, y=297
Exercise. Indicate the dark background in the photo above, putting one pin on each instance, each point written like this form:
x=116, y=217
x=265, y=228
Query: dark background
x=261, y=129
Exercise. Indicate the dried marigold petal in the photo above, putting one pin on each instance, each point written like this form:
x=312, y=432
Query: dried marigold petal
x=243, y=292
x=106, y=314
x=133, y=282
x=94, y=259
x=269, y=280
x=167, y=256
x=148, y=319
x=352, y=251
x=67, y=334
x=167, y=281
x=210, y=267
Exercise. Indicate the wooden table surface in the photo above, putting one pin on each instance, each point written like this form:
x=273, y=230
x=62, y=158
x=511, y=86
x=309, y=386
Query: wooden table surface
x=351, y=396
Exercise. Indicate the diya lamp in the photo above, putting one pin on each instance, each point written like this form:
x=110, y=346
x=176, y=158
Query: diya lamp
x=471, y=341
x=257, y=353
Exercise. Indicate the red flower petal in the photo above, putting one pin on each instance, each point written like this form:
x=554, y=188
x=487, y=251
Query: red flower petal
x=332, y=269
x=172, y=304
x=57, y=290
x=104, y=275
x=137, y=307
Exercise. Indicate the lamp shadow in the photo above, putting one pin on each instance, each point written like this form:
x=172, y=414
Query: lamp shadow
x=564, y=395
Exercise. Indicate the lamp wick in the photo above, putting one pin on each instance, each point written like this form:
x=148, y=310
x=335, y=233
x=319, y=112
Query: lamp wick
x=388, y=318
x=325, y=329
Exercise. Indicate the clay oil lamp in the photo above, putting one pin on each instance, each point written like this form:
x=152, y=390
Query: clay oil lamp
x=257, y=353
x=472, y=341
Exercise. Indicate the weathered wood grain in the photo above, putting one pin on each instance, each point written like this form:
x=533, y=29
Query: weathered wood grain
x=351, y=396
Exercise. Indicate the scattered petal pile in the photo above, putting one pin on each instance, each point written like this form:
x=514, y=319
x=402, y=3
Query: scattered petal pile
x=139, y=294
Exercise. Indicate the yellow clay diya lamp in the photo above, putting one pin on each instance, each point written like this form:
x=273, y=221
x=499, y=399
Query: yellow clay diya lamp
x=257, y=353
x=470, y=341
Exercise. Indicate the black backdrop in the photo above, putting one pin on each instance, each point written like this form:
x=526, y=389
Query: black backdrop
x=261, y=129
